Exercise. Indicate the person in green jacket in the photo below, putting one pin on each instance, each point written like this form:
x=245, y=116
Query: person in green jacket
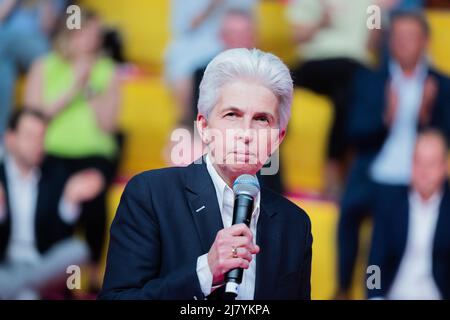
x=78, y=89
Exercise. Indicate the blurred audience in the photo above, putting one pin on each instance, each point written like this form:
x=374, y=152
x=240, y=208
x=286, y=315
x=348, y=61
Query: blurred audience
x=195, y=26
x=79, y=90
x=62, y=151
x=332, y=39
x=388, y=107
x=411, y=242
x=25, y=29
x=38, y=211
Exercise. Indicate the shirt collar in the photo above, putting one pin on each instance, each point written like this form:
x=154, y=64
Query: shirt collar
x=434, y=201
x=420, y=71
x=222, y=188
x=14, y=172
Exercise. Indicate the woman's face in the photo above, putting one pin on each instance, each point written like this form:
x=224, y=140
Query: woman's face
x=88, y=39
x=242, y=130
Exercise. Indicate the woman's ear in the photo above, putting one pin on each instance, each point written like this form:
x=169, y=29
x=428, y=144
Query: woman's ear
x=202, y=128
x=281, y=136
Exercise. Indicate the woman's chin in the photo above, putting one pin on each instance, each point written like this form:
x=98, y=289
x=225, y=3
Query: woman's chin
x=244, y=168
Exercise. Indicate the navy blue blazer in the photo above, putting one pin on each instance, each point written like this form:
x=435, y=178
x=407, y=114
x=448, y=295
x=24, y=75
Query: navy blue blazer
x=157, y=236
x=390, y=236
x=366, y=129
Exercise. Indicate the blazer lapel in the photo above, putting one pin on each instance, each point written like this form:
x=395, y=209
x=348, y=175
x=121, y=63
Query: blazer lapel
x=269, y=258
x=205, y=212
x=401, y=225
x=441, y=233
x=43, y=199
x=203, y=203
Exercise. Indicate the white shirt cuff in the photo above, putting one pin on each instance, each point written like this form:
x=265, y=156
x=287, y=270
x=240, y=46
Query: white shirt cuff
x=204, y=274
x=68, y=211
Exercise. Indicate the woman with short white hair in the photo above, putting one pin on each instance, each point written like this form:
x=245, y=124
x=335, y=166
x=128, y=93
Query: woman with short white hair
x=173, y=236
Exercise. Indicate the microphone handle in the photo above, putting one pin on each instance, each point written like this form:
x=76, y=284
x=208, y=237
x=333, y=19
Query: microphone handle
x=242, y=213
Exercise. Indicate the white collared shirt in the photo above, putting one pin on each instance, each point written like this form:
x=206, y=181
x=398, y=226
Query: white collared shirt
x=225, y=198
x=393, y=164
x=22, y=197
x=414, y=279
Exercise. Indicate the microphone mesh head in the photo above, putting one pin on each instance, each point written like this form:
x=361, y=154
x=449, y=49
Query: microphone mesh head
x=246, y=184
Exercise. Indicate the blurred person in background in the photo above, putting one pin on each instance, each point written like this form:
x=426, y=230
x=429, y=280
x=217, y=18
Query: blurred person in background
x=332, y=41
x=388, y=107
x=379, y=38
x=195, y=27
x=39, y=207
x=79, y=90
x=25, y=29
x=411, y=242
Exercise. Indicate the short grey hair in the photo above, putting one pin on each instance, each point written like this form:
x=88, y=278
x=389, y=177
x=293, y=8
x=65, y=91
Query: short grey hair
x=244, y=64
x=414, y=14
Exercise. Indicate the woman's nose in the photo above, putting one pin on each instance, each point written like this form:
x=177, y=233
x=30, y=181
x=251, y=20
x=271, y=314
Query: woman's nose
x=246, y=135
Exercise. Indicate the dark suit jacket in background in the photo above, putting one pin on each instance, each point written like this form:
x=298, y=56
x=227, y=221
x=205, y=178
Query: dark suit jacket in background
x=157, y=236
x=367, y=132
x=49, y=227
x=390, y=237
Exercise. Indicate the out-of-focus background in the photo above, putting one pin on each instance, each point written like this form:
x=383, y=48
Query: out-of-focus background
x=116, y=89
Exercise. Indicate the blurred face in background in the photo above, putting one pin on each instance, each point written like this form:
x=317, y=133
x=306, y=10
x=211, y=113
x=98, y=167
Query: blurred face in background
x=238, y=31
x=430, y=167
x=408, y=42
x=26, y=143
x=88, y=39
x=242, y=130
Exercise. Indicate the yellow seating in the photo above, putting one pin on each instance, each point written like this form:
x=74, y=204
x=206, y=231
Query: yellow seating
x=440, y=44
x=146, y=29
x=304, y=150
x=148, y=115
x=274, y=32
x=144, y=25
x=324, y=219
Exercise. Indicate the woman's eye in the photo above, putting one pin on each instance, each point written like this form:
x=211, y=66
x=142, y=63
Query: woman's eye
x=230, y=114
x=263, y=119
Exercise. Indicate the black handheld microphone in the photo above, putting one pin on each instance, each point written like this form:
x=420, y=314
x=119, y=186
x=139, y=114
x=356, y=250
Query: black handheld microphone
x=245, y=189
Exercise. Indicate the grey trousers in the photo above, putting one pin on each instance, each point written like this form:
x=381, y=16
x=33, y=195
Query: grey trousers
x=24, y=281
